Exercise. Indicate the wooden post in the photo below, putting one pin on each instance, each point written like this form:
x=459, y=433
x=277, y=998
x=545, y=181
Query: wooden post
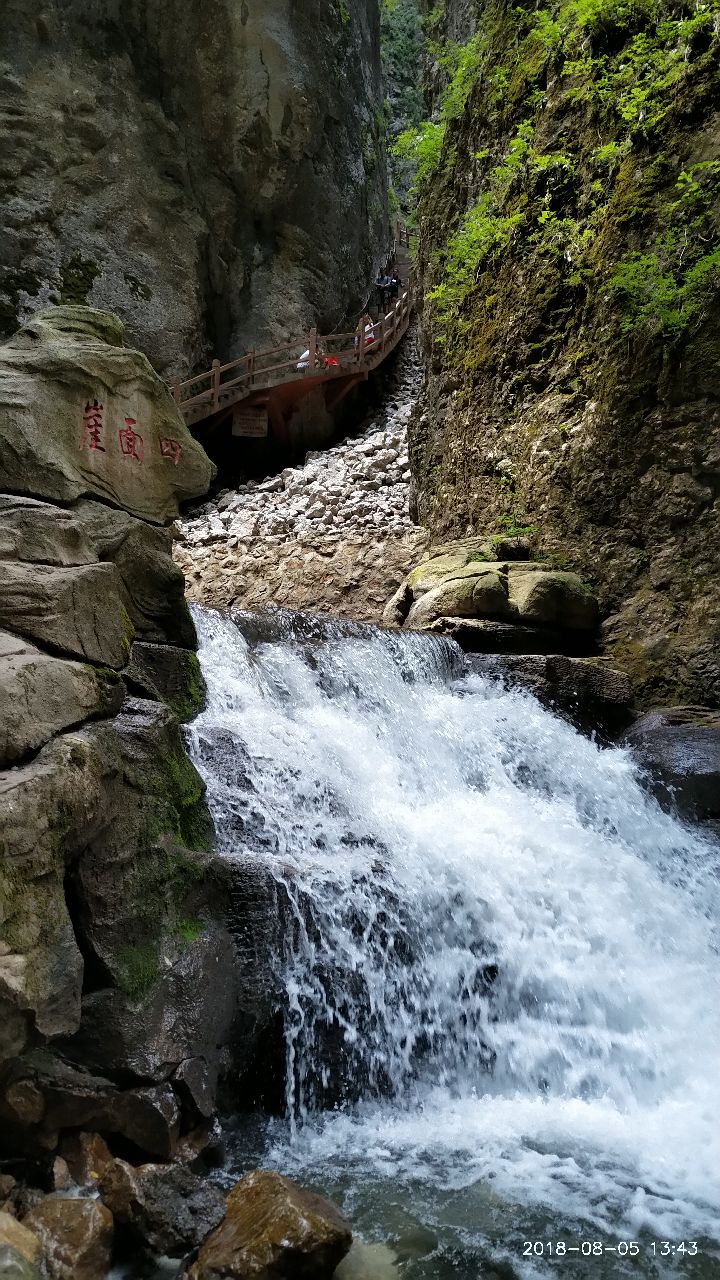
x=312, y=348
x=251, y=365
x=381, y=334
x=361, y=340
x=215, y=377
x=175, y=390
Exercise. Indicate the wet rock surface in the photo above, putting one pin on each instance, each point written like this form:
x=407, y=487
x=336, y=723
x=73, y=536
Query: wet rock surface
x=16, y=1238
x=334, y=535
x=587, y=691
x=13, y=1266
x=274, y=1228
x=75, y=1236
x=168, y=1210
x=679, y=747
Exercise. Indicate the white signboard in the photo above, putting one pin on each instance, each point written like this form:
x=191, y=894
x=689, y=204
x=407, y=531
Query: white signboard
x=250, y=421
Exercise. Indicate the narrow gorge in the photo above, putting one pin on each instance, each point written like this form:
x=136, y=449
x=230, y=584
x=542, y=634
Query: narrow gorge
x=359, y=621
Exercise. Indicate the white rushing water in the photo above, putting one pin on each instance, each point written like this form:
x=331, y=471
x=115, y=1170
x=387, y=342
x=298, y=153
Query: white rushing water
x=499, y=969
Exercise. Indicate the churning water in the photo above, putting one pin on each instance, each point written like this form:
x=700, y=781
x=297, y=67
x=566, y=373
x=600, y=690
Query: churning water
x=498, y=962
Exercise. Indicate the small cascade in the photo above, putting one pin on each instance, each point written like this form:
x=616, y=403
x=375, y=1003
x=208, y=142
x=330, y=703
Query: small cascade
x=496, y=958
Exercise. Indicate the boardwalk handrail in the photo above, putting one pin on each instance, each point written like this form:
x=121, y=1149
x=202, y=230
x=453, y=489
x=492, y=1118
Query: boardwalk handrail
x=327, y=356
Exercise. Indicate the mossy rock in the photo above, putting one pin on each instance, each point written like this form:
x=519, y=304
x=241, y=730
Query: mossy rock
x=170, y=675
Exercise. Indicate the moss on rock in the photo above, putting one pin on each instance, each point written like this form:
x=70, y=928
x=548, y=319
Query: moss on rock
x=570, y=252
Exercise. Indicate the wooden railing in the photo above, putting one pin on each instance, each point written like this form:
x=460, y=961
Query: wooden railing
x=312, y=356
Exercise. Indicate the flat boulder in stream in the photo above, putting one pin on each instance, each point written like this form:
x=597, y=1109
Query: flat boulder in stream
x=274, y=1229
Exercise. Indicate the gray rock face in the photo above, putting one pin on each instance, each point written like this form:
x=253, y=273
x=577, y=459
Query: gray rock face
x=81, y=415
x=679, y=747
x=111, y=904
x=76, y=611
x=40, y=696
x=214, y=174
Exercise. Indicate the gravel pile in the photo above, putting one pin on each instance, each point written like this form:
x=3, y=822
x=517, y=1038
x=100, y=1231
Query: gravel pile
x=362, y=484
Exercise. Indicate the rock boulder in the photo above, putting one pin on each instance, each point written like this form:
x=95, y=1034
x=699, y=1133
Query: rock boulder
x=463, y=581
x=273, y=1228
x=76, y=1238
x=167, y=1209
x=81, y=415
x=679, y=748
x=41, y=695
x=17, y=1237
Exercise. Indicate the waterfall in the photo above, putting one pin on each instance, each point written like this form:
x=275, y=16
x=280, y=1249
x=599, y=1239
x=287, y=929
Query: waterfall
x=497, y=961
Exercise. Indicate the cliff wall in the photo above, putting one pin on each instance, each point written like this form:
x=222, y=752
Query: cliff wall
x=213, y=173
x=570, y=254
x=112, y=928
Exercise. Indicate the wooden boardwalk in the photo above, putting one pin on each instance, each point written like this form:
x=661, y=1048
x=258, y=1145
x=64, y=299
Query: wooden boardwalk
x=263, y=386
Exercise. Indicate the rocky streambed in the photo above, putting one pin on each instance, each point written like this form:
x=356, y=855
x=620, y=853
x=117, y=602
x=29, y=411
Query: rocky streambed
x=335, y=534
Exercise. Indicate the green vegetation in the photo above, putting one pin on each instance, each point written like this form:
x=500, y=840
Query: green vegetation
x=343, y=12
x=513, y=526
x=622, y=72
x=432, y=20
x=420, y=149
x=139, y=970
x=190, y=930
x=667, y=290
x=401, y=44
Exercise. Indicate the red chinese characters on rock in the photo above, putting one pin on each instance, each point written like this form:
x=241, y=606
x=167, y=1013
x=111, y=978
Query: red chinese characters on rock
x=132, y=444
x=170, y=449
x=92, y=426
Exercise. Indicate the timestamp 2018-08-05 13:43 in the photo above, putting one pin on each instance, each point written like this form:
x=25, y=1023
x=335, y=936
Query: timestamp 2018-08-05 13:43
x=599, y=1249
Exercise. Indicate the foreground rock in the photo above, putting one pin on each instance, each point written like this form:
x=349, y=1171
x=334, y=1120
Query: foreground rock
x=41, y=695
x=167, y=1210
x=20, y=1250
x=80, y=414
x=76, y=1238
x=274, y=1229
x=679, y=747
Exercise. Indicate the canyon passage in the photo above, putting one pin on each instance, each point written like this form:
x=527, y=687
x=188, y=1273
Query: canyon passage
x=359, y=640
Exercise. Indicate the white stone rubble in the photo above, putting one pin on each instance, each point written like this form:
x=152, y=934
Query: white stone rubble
x=361, y=484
